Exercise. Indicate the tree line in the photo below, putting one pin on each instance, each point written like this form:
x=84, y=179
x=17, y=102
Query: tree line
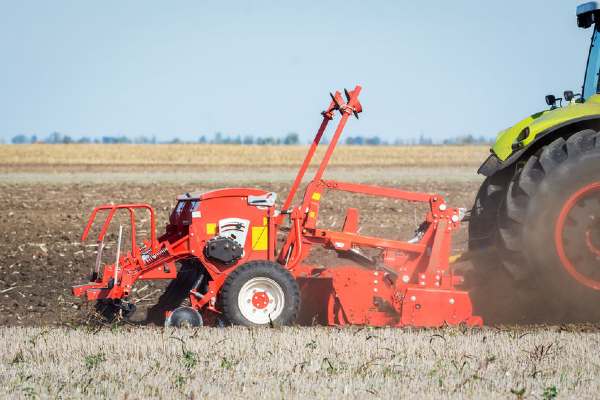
x=289, y=139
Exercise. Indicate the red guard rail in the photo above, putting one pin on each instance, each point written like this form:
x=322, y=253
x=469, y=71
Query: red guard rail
x=131, y=208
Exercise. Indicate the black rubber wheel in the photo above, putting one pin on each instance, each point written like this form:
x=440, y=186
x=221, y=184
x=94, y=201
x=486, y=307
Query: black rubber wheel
x=568, y=265
x=519, y=212
x=493, y=285
x=483, y=223
x=177, y=292
x=260, y=293
x=184, y=317
x=487, y=228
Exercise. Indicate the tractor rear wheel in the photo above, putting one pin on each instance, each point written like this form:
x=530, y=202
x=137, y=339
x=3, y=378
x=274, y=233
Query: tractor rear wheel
x=543, y=222
x=260, y=293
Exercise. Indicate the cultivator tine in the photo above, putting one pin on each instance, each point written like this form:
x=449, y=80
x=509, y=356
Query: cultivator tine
x=96, y=271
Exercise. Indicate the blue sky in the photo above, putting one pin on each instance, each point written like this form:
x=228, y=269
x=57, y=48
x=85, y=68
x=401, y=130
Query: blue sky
x=190, y=68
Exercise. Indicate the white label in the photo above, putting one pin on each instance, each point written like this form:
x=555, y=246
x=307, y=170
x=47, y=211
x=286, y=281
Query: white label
x=234, y=228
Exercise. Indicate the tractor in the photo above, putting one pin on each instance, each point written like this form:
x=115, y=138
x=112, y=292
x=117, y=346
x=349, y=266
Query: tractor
x=538, y=208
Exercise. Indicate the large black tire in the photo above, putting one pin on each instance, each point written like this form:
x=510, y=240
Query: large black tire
x=229, y=297
x=516, y=214
x=483, y=223
x=177, y=292
x=495, y=282
x=487, y=228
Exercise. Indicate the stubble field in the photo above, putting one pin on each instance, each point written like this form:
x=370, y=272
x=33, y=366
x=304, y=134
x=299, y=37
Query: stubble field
x=234, y=155
x=48, y=351
x=318, y=363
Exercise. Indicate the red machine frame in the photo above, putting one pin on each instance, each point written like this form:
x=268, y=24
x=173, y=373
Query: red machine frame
x=411, y=283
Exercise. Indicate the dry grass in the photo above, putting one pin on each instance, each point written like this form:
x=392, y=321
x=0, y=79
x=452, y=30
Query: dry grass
x=297, y=363
x=232, y=155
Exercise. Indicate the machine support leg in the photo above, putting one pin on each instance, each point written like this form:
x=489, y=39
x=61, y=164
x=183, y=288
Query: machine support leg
x=118, y=253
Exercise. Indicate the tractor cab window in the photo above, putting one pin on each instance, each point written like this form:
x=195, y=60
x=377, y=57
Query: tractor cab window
x=591, y=83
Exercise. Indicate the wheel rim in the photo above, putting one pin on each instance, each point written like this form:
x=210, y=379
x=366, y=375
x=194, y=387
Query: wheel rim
x=577, y=235
x=261, y=300
x=184, y=317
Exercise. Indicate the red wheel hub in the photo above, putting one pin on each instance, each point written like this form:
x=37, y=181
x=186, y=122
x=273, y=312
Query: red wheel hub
x=260, y=300
x=577, y=236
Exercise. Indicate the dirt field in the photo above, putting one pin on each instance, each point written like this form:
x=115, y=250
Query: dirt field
x=47, y=192
x=42, y=225
x=44, y=207
x=45, y=204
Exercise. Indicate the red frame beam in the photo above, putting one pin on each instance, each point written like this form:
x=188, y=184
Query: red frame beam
x=112, y=210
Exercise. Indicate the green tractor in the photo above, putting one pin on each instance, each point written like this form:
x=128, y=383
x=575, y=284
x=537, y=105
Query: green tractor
x=539, y=206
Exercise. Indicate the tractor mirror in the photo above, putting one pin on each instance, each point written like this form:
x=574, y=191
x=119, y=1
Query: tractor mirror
x=551, y=100
x=568, y=95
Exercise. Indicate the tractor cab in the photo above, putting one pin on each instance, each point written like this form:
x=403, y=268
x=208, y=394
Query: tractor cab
x=587, y=15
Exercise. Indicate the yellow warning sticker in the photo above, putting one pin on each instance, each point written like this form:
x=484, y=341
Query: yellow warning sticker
x=260, y=238
x=211, y=228
x=311, y=214
x=316, y=196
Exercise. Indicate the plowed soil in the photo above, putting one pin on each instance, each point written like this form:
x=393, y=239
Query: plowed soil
x=42, y=220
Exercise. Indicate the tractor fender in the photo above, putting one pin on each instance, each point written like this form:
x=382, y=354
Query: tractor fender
x=493, y=164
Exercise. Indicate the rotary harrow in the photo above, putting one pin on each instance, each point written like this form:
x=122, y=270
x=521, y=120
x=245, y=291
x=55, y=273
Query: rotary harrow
x=222, y=247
